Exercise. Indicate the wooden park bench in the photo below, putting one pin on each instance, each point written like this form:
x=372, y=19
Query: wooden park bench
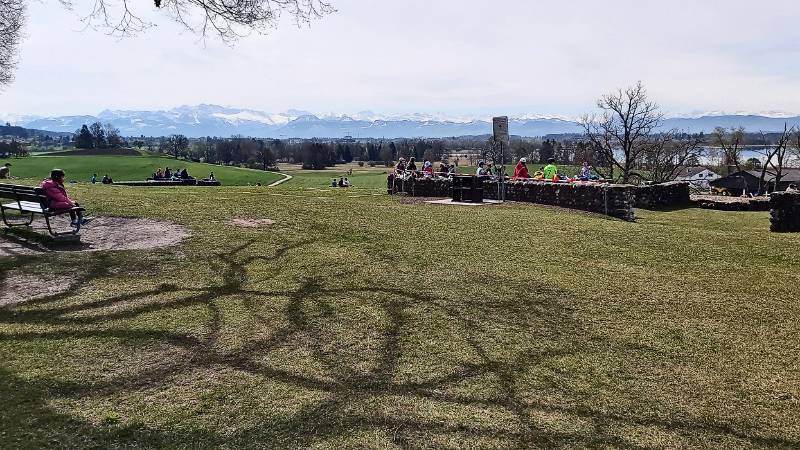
x=31, y=201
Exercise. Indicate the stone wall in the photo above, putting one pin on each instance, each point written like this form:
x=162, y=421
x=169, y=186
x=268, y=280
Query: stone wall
x=785, y=213
x=613, y=200
x=674, y=194
x=726, y=203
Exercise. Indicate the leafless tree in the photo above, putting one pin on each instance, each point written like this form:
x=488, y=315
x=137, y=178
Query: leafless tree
x=732, y=143
x=776, y=158
x=626, y=131
x=667, y=154
x=12, y=15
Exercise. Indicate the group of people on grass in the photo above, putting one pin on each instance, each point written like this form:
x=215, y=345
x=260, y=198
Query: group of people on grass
x=105, y=180
x=167, y=174
x=408, y=169
x=343, y=182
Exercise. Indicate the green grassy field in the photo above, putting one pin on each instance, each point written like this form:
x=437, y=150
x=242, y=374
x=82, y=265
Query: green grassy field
x=130, y=168
x=362, y=320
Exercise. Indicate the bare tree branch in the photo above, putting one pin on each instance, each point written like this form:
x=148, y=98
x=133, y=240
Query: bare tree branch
x=227, y=20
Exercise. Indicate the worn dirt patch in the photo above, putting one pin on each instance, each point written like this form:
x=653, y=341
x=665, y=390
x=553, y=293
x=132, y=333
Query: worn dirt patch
x=251, y=223
x=103, y=233
x=20, y=287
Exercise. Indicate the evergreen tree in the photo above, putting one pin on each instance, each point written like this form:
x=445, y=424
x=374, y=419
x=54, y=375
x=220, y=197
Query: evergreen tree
x=84, y=138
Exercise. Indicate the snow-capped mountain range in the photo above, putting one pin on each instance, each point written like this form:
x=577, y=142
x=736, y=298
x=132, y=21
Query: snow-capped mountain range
x=212, y=120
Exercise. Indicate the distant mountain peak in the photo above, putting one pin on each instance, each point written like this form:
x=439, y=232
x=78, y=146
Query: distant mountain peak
x=215, y=120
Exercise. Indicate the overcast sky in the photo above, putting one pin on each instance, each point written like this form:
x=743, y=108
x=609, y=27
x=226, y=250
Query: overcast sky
x=452, y=56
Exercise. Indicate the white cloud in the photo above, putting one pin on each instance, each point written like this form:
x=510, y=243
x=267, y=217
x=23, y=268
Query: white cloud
x=451, y=56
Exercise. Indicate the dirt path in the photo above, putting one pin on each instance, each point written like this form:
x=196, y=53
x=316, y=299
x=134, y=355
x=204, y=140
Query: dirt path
x=103, y=233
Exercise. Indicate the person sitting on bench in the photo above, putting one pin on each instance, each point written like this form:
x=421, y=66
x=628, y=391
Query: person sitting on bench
x=106, y=179
x=167, y=174
x=59, y=200
x=185, y=174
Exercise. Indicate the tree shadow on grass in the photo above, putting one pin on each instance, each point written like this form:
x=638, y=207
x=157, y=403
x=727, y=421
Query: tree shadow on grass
x=31, y=420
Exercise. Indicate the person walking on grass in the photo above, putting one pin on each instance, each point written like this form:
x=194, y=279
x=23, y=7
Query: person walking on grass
x=59, y=200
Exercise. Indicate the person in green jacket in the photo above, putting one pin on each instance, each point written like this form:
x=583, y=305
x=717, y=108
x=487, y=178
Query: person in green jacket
x=550, y=170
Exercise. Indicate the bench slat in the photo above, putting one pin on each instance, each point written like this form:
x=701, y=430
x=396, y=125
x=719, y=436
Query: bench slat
x=35, y=207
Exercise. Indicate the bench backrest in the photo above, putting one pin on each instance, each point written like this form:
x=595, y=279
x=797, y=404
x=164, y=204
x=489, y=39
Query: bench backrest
x=23, y=194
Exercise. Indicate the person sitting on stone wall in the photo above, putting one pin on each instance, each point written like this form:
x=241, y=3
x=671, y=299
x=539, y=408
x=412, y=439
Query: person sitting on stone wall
x=483, y=169
x=550, y=171
x=452, y=170
x=400, y=167
x=521, y=170
x=411, y=167
x=427, y=169
x=443, y=169
x=107, y=179
x=167, y=174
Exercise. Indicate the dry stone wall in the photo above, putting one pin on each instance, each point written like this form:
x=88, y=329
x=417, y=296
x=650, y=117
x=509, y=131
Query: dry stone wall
x=785, y=213
x=609, y=199
x=674, y=194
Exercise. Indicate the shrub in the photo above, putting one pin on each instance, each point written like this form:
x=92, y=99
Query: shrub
x=372, y=163
x=361, y=164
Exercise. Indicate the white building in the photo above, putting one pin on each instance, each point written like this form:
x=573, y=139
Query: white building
x=698, y=176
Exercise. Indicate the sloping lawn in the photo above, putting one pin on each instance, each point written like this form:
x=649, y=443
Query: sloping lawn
x=359, y=320
x=131, y=168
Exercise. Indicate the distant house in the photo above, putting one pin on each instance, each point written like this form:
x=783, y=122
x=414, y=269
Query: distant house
x=747, y=181
x=699, y=176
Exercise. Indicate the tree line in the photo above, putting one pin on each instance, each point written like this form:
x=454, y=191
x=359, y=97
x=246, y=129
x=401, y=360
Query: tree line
x=98, y=135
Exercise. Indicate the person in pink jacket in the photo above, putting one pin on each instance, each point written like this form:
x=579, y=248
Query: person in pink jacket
x=59, y=200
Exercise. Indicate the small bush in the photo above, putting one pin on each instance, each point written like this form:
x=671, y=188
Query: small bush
x=372, y=164
x=361, y=164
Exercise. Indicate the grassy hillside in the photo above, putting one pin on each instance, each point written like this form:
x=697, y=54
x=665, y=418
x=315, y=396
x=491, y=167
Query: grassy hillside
x=366, y=321
x=130, y=168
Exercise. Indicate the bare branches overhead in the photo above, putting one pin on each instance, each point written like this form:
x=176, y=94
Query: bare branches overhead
x=227, y=20
x=12, y=15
